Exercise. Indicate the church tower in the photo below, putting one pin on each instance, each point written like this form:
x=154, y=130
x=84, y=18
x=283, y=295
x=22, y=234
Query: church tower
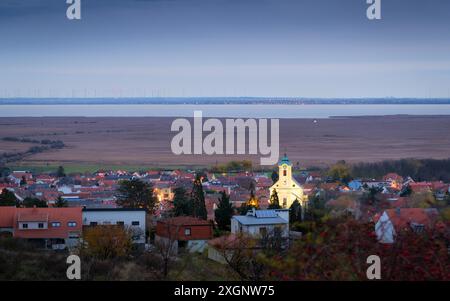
x=288, y=189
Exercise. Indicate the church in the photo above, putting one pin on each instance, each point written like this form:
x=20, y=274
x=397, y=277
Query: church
x=288, y=189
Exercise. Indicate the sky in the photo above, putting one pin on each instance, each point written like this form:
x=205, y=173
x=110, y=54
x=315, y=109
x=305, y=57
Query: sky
x=189, y=48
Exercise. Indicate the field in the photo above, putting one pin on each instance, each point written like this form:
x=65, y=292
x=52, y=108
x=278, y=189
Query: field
x=135, y=143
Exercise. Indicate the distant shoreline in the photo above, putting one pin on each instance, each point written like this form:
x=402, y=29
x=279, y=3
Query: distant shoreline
x=223, y=101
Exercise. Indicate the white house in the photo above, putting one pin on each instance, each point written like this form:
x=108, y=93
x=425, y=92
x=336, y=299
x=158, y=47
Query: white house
x=133, y=219
x=261, y=222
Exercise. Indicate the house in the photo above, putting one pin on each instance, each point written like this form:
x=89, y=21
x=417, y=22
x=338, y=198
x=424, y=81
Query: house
x=355, y=185
x=184, y=232
x=421, y=187
x=55, y=228
x=130, y=218
x=393, y=221
x=262, y=222
x=7, y=215
x=163, y=191
x=17, y=176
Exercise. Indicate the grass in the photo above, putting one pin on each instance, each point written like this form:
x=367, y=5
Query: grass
x=198, y=267
x=80, y=168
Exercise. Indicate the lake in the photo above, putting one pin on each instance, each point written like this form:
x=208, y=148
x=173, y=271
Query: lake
x=219, y=110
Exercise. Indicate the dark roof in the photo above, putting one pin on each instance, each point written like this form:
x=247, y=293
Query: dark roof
x=113, y=209
x=185, y=221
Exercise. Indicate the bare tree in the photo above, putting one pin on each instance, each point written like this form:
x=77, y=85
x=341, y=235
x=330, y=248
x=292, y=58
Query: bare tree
x=167, y=246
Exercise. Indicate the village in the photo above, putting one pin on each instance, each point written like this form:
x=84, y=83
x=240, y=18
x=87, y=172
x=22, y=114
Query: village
x=227, y=215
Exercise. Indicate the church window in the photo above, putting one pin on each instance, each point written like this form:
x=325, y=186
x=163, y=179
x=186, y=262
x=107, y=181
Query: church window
x=284, y=173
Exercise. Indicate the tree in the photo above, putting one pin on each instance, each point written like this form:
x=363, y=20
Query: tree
x=23, y=181
x=198, y=199
x=340, y=172
x=224, y=212
x=274, y=202
x=30, y=202
x=339, y=248
x=60, y=172
x=4, y=171
x=166, y=247
x=61, y=203
x=242, y=254
x=136, y=194
x=422, y=200
x=274, y=176
x=295, y=212
x=7, y=198
x=406, y=191
x=181, y=203
x=107, y=242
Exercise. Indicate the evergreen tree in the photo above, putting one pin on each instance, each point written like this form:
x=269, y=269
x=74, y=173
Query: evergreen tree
x=34, y=202
x=7, y=198
x=198, y=199
x=182, y=204
x=23, y=182
x=61, y=203
x=295, y=212
x=136, y=194
x=60, y=172
x=224, y=212
x=274, y=177
x=274, y=201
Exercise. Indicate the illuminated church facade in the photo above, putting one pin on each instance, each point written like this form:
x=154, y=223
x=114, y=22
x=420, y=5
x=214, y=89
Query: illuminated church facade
x=288, y=189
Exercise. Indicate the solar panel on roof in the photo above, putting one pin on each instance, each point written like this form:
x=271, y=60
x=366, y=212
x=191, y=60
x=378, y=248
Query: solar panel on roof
x=265, y=213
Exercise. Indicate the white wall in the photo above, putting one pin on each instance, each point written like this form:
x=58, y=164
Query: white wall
x=33, y=225
x=385, y=229
x=111, y=217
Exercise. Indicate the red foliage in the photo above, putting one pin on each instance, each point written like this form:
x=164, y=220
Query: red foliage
x=340, y=249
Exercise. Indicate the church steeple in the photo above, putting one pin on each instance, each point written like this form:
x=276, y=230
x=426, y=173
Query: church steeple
x=285, y=160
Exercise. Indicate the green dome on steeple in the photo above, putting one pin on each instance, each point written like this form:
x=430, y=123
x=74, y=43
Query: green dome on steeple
x=285, y=160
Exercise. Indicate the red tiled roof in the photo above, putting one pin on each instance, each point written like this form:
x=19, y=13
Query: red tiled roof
x=7, y=217
x=61, y=215
x=401, y=218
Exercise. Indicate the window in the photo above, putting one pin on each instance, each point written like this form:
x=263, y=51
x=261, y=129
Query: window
x=24, y=226
x=71, y=224
x=284, y=173
x=417, y=228
x=187, y=231
x=135, y=223
x=56, y=224
x=93, y=224
x=120, y=223
x=41, y=225
x=284, y=202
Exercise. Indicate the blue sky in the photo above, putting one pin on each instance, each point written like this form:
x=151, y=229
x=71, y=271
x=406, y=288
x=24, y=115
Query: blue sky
x=285, y=48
